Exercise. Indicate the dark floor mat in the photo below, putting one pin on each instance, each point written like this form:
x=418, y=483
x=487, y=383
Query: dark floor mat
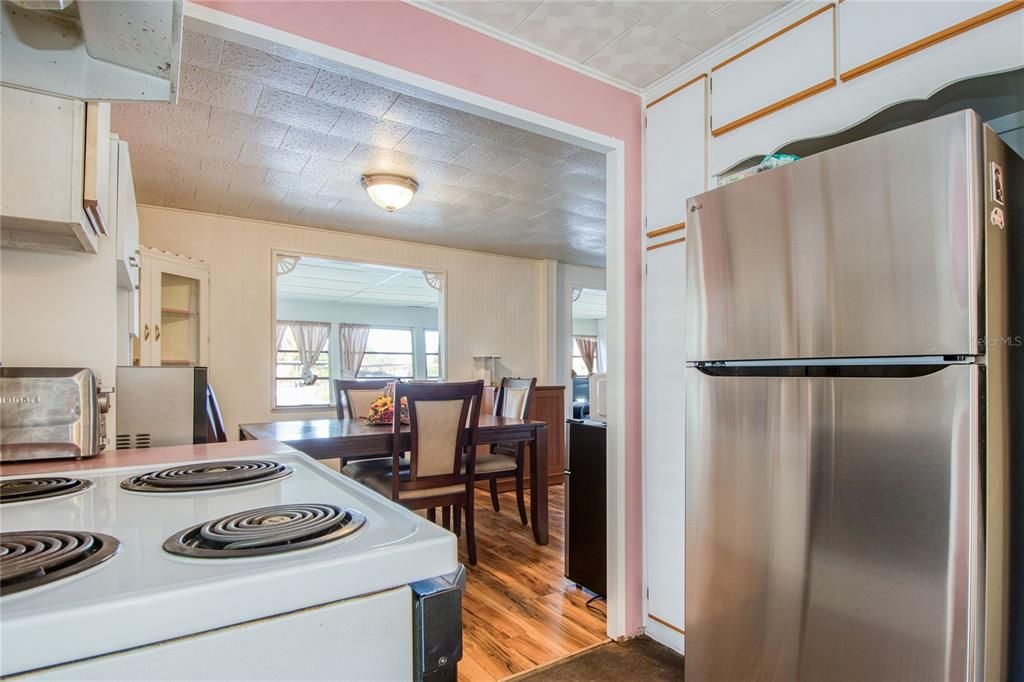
x=635, y=659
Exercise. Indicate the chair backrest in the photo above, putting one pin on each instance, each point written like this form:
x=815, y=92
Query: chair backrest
x=443, y=420
x=515, y=397
x=352, y=397
x=215, y=432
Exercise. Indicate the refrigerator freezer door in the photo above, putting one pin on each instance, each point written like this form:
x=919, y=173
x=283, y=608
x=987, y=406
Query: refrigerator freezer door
x=867, y=250
x=831, y=526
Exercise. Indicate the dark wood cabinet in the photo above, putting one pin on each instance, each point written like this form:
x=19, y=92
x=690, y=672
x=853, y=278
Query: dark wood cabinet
x=548, y=407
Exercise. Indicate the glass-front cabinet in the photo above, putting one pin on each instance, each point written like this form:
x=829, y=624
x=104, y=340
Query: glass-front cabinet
x=174, y=311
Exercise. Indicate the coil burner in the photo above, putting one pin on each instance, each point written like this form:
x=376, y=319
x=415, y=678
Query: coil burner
x=207, y=476
x=265, y=531
x=38, y=557
x=40, y=488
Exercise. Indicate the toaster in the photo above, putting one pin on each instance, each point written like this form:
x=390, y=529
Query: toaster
x=51, y=412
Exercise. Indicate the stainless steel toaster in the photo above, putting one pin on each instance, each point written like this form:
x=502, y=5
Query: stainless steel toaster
x=51, y=412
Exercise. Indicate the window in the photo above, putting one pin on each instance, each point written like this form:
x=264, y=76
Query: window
x=432, y=339
x=388, y=354
x=291, y=391
x=579, y=367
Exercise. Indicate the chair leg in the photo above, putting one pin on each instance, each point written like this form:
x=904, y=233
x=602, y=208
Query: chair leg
x=494, y=495
x=432, y=515
x=470, y=533
x=458, y=520
x=446, y=517
x=520, y=484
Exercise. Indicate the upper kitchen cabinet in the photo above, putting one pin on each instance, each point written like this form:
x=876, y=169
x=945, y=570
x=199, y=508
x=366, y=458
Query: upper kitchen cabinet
x=175, y=310
x=873, y=34
x=786, y=67
x=675, y=150
x=92, y=50
x=124, y=215
x=55, y=161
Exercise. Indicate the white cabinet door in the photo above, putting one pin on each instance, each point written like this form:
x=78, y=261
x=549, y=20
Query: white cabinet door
x=676, y=143
x=786, y=67
x=870, y=31
x=664, y=413
x=127, y=225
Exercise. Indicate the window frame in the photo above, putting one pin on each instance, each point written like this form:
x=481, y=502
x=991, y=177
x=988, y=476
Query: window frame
x=277, y=253
x=427, y=356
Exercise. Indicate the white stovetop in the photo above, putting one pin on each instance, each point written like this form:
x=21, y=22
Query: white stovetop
x=144, y=595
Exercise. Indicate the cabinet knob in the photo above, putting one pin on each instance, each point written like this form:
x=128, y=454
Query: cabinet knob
x=156, y=328
x=145, y=332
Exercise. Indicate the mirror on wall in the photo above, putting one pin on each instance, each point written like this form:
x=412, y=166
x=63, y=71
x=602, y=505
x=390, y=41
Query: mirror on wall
x=589, y=351
x=338, y=319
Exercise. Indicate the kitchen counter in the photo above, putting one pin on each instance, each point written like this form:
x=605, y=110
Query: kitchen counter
x=123, y=458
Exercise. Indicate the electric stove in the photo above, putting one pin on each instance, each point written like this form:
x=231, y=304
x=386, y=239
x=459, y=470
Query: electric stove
x=239, y=568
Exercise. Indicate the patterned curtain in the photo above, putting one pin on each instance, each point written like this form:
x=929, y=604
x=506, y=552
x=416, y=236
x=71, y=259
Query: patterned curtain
x=310, y=340
x=353, y=347
x=588, y=350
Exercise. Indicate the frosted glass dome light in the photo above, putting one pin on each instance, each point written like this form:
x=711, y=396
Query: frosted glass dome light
x=390, y=192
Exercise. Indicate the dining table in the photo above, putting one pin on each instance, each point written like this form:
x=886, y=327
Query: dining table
x=357, y=439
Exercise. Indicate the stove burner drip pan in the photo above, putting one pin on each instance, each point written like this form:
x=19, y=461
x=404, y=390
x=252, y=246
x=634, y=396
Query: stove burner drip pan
x=207, y=476
x=40, y=488
x=38, y=557
x=265, y=531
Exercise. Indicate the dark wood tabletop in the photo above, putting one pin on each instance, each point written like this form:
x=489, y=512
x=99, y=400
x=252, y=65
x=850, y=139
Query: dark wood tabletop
x=355, y=439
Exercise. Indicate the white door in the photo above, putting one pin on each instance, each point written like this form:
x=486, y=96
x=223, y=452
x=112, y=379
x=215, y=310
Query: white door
x=664, y=424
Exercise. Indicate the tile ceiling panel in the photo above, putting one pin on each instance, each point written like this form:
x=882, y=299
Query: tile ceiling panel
x=635, y=42
x=284, y=136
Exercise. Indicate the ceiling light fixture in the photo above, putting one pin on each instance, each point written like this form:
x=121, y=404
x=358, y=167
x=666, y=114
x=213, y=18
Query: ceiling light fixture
x=390, y=192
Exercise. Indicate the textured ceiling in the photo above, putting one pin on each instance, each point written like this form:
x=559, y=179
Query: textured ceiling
x=258, y=135
x=334, y=281
x=632, y=41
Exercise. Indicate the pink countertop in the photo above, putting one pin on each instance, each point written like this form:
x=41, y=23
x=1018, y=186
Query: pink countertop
x=122, y=458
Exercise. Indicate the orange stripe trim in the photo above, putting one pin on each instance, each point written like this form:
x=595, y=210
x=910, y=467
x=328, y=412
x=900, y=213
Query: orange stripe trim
x=666, y=624
x=665, y=230
x=652, y=247
x=771, y=108
x=938, y=37
x=772, y=37
x=672, y=92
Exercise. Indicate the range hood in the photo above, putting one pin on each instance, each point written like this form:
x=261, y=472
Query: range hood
x=112, y=50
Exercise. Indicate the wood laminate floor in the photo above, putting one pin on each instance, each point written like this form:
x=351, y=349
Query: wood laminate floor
x=519, y=612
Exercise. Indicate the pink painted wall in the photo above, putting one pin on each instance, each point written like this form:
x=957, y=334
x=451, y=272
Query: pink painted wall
x=412, y=39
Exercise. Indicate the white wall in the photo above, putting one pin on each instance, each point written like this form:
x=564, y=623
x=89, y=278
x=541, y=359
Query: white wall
x=60, y=310
x=494, y=304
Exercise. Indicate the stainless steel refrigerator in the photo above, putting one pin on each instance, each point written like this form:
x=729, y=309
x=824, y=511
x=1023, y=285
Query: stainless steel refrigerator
x=846, y=398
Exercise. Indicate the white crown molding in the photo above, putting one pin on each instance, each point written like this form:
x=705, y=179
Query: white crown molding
x=702, y=62
x=512, y=40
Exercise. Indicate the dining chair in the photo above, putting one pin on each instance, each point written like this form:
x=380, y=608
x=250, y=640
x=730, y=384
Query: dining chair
x=440, y=471
x=515, y=396
x=215, y=432
x=357, y=395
